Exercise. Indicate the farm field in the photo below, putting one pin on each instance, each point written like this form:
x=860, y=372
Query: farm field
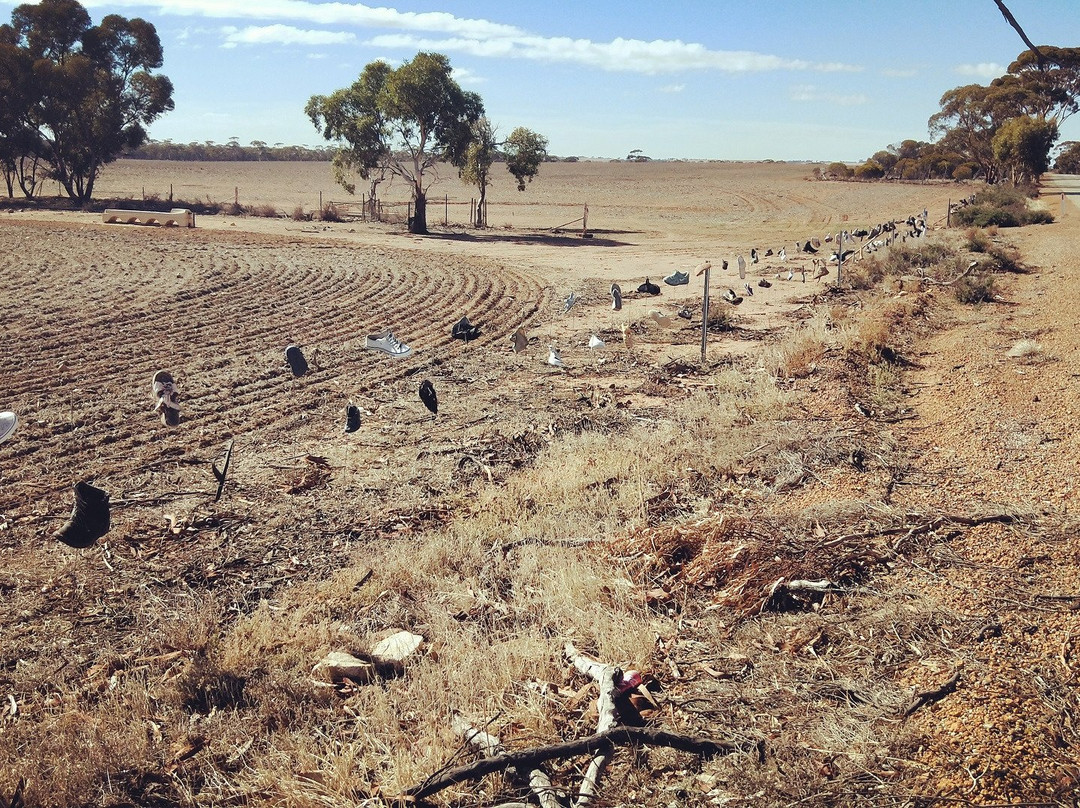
x=640, y=503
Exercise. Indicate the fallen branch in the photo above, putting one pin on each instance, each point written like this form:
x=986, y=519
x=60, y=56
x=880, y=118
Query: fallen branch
x=931, y=696
x=924, y=527
x=607, y=677
x=595, y=744
x=491, y=746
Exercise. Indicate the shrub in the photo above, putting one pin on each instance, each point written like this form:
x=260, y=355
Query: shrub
x=964, y=172
x=234, y=209
x=298, y=214
x=264, y=211
x=975, y=288
x=1006, y=259
x=870, y=170
x=977, y=240
x=1003, y=206
x=330, y=213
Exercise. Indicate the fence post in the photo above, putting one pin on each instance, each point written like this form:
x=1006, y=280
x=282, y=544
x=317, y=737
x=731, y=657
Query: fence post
x=839, y=254
x=445, y=210
x=948, y=215
x=320, y=205
x=585, y=220
x=705, y=318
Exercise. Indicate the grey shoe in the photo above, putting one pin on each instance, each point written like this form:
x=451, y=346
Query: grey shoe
x=8, y=422
x=677, y=278
x=387, y=343
x=616, y=297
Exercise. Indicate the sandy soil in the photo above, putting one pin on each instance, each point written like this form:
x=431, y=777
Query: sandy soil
x=91, y=311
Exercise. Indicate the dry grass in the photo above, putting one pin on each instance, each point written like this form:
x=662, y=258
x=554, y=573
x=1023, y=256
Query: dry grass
x=712, y=494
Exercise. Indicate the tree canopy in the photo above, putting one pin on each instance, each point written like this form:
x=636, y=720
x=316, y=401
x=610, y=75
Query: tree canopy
x=76, y=95
x=402, y=121
x=1001, y=131
x=399, y=121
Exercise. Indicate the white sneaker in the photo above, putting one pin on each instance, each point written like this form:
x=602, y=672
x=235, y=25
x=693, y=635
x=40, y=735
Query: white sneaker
x=8, y=422
x=387, y=343
x=554, y=359
x=595, y=342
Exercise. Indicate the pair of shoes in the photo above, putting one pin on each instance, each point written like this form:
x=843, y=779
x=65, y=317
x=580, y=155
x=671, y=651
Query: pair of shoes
x=89, y=518
x=616, y=297
x=295, y=357
x=465, y=330
x=8, y=422
x=677, y=278
x=387, y=343
x=649, y=288
x=163, y=389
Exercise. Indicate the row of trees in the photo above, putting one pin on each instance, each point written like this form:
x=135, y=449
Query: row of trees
x=1002, y=131
x=400, y=122
x=74, y=95
x=209, y=151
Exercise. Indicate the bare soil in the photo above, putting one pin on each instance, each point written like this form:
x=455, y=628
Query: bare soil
x=91, y=311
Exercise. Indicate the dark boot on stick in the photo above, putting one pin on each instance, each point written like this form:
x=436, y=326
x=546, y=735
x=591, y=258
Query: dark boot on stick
x=89, y=518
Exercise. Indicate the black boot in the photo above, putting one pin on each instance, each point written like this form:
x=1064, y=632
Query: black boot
x=352, y=418
x=89, y=518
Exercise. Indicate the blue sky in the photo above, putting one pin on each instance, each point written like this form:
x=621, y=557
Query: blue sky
x=694, y=79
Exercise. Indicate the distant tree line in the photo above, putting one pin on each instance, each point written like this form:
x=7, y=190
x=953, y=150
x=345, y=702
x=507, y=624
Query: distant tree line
x=74, y=96
x=1001, y=132
x=209, y=151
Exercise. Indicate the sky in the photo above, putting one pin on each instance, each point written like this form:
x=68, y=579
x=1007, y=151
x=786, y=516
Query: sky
x=685, y=79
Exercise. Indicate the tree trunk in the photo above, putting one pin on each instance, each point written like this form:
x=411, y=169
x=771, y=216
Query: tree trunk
x=418, y=224
x=480, y=207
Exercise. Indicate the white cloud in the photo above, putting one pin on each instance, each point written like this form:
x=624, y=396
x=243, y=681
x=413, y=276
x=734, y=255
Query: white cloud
x=282, y=35
x=466, y=77
x=335, y=13
x=618, y=55
x=983, y=70
x=478, y=37
x=808, y=93
x=673, y=88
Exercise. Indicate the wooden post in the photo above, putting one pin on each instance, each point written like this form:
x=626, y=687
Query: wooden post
x=320, y=205
x=948, y=215
x=236, y=195
x=1062, y=205
x=705, y=319
x=170, y=192
x=446, y=210
x=839, y=254
x=585, y=220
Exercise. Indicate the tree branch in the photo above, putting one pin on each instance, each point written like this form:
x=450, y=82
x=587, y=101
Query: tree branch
x=593, y=745
x=1011, y=20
